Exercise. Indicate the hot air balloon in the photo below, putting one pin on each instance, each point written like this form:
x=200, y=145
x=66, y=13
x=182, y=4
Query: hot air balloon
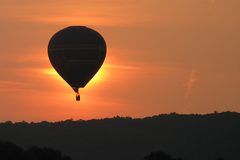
x=77, y=53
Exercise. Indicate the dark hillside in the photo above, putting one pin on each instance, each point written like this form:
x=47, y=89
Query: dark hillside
x=192, y=137
x=10, y=151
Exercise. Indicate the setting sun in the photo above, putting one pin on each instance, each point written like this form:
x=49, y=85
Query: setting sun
x=100, y=76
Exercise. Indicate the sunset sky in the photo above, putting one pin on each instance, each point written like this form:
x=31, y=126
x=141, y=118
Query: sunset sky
x=163, y=56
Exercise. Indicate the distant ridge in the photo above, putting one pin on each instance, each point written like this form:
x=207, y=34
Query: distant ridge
x=190, y=136
x=172, y=114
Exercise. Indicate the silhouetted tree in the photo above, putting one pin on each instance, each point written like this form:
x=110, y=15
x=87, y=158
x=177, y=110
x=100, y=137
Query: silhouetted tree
x=160, y=156
x=10, y=151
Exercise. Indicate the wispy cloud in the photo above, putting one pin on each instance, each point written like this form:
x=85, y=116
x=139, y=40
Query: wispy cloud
x=191, y=82
x=112, y=66
x=92, y=13
x=71, y=20
x=11, y=85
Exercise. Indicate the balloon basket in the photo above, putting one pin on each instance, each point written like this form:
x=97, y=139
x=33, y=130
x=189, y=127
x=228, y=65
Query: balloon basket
x=77, y=97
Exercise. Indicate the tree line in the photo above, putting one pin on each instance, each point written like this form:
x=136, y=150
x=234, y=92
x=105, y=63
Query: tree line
x=11, y=151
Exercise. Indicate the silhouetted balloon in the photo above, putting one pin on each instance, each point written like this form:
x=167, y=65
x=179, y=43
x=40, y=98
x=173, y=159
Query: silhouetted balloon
x=77, y=53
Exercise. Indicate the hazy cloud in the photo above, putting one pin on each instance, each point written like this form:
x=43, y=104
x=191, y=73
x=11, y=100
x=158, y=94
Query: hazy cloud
x=191, y=82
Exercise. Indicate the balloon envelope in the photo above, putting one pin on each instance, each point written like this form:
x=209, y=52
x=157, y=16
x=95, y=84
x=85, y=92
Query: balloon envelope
x=77, y=53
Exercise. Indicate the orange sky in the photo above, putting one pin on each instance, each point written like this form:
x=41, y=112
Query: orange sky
x=163, y=56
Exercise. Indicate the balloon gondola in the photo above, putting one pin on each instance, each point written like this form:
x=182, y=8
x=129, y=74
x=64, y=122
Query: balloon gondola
x=77, y=53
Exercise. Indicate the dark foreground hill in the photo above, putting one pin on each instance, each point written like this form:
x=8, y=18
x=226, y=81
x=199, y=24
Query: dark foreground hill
x=10, y=151
x=192, y=137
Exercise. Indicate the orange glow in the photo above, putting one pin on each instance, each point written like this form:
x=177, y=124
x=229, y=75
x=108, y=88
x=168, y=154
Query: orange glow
x=99, y=77
x=50, y=71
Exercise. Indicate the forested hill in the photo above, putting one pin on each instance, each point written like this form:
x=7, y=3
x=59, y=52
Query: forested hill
x=192, y=137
